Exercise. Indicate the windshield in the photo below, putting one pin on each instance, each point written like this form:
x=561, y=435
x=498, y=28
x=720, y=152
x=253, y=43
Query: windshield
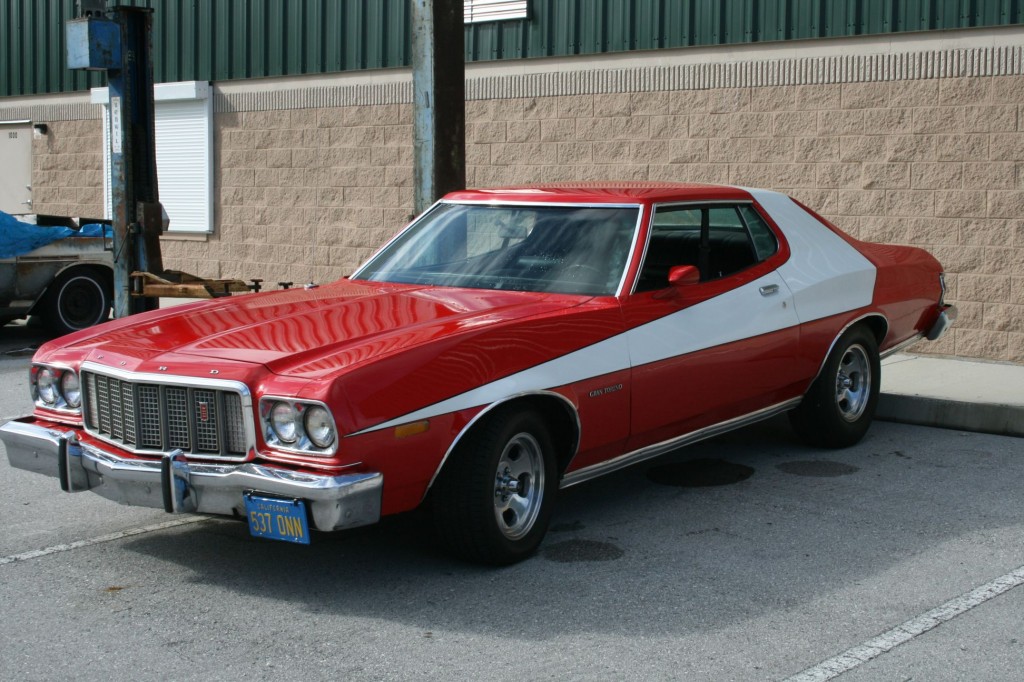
x=569, y=250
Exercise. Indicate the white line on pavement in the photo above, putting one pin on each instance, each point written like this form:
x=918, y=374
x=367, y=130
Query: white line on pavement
x=887, y=641
x=36, y=553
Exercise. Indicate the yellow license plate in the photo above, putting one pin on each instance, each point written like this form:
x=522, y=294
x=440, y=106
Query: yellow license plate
x=277, y=519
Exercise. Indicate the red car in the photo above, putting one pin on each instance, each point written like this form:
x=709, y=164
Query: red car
x=506, y=344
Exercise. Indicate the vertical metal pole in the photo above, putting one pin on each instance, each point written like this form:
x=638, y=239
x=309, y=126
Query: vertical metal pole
x=439, y=100
x=132, y=155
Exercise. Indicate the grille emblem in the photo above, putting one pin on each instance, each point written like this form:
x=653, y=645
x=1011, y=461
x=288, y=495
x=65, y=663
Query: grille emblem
x=204, y=412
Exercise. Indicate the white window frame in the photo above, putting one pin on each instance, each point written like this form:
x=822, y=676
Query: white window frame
x=478, y=11
x=184, y=153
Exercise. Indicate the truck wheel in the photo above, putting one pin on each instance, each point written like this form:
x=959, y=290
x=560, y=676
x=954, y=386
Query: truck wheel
x=838, y=408
x=493, y=501
x=77, y=299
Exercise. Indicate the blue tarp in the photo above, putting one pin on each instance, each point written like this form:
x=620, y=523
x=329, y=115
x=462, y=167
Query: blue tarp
x=18, y=238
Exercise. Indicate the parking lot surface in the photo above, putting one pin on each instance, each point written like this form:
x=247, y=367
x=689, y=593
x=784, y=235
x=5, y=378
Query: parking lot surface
x=748, y=557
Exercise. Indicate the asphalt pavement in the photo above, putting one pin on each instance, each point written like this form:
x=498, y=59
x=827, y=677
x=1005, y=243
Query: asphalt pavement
x=900, y=558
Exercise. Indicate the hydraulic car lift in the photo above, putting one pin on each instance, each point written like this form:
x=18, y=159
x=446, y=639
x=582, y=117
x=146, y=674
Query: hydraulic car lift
x=119, y=41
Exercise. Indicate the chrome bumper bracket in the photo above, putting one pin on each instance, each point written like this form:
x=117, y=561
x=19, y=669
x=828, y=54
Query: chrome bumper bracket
x=178, y=495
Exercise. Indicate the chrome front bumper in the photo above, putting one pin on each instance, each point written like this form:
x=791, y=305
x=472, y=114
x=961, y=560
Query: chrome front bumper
x=179, y=486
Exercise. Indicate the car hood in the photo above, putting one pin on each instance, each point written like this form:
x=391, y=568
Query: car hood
x=313, y=331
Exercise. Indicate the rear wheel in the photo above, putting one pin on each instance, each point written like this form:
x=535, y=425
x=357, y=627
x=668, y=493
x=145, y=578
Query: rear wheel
x=838, y=408
x=493, y=501
x=77, y=299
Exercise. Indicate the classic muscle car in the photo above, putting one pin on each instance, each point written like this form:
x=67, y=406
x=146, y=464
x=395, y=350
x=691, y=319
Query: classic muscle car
x=506, y=344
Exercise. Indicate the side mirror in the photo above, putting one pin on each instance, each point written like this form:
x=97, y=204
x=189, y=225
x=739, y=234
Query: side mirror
x=683, y=275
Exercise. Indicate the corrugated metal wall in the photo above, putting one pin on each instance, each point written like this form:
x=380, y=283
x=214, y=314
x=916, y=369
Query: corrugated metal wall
x=230, y=39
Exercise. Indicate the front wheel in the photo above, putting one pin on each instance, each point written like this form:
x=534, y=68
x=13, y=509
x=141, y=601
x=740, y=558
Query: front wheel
x=838, y=408
x=493, y=501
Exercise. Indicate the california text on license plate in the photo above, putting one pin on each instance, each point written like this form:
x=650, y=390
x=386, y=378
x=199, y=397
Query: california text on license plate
x=277, y=519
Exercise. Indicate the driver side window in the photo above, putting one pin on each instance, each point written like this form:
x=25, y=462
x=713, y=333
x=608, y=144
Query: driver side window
x=719, y=240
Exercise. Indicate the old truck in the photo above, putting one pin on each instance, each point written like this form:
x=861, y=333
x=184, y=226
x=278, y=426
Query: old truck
x=67, y=283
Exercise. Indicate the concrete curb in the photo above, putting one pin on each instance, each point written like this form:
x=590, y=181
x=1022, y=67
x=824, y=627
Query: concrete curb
x=1003, y=420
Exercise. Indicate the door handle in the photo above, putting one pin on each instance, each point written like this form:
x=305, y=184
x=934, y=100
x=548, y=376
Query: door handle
x=769, y=289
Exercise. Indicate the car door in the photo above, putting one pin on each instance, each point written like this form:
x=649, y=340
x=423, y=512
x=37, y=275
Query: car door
x=718, y=349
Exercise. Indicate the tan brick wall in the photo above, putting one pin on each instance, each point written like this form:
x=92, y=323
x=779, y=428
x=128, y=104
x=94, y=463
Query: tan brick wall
x=67, y=169
x=306, y=194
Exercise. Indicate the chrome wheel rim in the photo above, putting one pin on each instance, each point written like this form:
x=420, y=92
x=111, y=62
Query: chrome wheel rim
x=853, y=383
x=519, y=486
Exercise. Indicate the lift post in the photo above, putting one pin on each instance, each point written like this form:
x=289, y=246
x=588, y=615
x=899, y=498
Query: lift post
x=118, y=41
x=439, y=99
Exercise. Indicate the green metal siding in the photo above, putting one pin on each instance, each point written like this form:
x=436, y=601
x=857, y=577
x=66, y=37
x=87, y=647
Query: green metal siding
x=235, y=39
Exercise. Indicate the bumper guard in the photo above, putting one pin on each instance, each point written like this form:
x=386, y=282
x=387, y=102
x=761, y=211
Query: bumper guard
x=946, y=319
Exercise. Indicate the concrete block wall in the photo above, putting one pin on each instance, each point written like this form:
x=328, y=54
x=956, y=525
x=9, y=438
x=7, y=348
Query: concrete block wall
x=305, y=192
x=67, y=169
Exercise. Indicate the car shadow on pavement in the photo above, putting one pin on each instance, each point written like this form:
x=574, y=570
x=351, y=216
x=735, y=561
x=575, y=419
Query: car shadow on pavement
x=624, y=554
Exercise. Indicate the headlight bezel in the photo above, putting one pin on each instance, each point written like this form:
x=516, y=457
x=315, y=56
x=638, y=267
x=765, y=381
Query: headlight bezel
x=53, y=394
x=300, y=443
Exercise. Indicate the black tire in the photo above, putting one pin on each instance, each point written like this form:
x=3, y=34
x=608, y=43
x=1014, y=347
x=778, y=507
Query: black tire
x=78, y=298
x=482, y=511
x=838, y=408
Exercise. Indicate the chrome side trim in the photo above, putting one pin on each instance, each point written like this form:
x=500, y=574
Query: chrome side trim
x=901, y=345
x=631, y=458
x=490, y=408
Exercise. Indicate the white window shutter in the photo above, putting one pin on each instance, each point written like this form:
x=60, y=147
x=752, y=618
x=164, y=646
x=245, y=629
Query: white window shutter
x=476, y=11
x=183, y=159
x=184, y=153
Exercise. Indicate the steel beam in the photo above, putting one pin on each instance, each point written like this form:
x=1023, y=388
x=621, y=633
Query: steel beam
x=439, y=100
x=133, y=157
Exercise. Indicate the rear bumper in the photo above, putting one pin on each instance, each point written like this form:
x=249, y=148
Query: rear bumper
x=945, y=320
x=179, y=486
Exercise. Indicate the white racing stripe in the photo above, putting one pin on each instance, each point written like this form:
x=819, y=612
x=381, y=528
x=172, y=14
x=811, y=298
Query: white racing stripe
x=55, y=549
x=824, y=276
x=903, y=633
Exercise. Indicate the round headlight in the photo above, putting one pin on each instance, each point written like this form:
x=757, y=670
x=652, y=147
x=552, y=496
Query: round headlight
x=46, y=384
x=319, y=427
x=282, y=420
x=70, y=389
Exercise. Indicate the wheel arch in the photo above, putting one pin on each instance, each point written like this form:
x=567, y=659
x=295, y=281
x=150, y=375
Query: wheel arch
x=875, y=322
x=557, y=411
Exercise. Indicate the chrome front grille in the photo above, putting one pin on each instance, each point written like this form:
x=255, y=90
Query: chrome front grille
x=147, y=416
